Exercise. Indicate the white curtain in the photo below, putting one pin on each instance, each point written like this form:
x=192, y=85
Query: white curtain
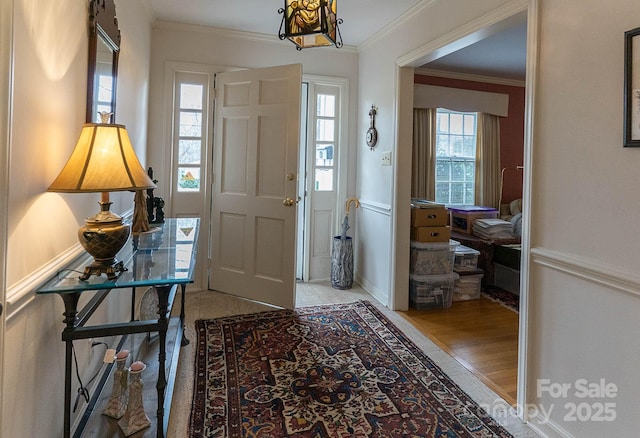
x=423, y=180
x=487, y=182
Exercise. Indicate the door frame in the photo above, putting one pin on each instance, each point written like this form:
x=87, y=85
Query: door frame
x=304, y=247
x=6, y=91
x=404, y=103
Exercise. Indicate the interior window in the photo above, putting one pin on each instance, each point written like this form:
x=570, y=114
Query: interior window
x=190, y=134
x=455, y=157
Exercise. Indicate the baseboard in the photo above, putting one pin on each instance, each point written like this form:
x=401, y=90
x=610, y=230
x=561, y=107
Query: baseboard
x=378, y=294
x=546, y=428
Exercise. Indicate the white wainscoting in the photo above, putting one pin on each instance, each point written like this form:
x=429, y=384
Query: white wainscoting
x=587, y=269
x=374, y=255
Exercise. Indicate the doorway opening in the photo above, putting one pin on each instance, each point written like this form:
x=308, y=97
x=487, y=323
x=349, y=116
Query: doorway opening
x=322, y=173
x=527, y=15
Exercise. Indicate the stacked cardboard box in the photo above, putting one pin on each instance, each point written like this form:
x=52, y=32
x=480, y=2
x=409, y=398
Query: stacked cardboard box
x=463, y=217
x=431, y=276
x=429, y=222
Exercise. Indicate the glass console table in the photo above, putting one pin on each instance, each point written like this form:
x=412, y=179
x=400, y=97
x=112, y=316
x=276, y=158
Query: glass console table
x=162, y=259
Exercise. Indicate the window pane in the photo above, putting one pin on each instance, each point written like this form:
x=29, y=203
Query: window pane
x=457, y=171
x=324, y=155
x=443, y=123
x=470, y=170
x=188, y=179
x=442, y=146
x=442, y=193
x=325, y=130
x=185, y=228
x=455, y=153
x=469, y=124
x=457, y=193
x=326, y=105
x=105, y=87
x=324, y=180
x=468, y=194
x=189, y=151
x=469, y=148
x=457, y=144
x=190, y=96
x=456, y=123
x=443, y=168
x=190, y=124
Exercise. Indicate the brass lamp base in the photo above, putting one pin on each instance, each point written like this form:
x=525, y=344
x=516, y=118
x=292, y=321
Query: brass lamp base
x=98, y=268
x=103, y=236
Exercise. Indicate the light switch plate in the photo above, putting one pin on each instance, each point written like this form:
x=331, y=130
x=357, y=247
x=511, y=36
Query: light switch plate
x=385, y=158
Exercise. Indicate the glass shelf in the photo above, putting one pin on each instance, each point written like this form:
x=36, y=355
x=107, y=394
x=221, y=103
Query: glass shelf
x=164, y=255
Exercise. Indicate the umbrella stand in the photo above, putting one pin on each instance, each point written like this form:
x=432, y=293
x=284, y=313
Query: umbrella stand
x=342, y=254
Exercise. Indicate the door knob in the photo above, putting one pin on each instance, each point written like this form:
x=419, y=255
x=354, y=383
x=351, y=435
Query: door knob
x=288, y=202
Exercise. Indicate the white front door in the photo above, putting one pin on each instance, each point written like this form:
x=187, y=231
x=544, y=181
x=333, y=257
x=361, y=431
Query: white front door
x=256, y=136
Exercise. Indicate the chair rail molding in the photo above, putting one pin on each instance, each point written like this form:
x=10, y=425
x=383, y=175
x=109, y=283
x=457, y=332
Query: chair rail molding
x=596, y=272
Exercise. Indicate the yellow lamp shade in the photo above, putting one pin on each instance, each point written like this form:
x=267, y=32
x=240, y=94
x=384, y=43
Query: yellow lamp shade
x=103, y=161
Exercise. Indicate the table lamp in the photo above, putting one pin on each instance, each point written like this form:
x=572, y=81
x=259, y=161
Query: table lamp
x=103, y=161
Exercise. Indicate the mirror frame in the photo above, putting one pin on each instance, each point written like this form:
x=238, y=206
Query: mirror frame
x=103, y=25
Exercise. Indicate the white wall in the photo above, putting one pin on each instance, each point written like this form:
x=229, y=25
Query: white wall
x=49, y=96
x=585, y=207
x=217, y=50
x=584, y=288
x=376, y=186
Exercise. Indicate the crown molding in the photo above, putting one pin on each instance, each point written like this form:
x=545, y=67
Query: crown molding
x=470, y=77
x=393, y=25
x=462, y=33
x=230, y=33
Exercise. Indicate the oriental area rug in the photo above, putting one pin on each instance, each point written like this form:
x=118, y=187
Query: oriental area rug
x=325, y=371
x=507, y=299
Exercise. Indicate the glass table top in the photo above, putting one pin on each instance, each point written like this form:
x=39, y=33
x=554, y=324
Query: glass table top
x=165, y=255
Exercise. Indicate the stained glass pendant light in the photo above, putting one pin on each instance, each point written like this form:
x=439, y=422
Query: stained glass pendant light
x=310, y=23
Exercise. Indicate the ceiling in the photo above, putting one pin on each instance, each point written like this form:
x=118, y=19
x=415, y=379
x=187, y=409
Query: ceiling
x=499, y=55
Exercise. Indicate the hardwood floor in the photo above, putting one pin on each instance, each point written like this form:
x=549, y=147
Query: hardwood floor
x=481, y=335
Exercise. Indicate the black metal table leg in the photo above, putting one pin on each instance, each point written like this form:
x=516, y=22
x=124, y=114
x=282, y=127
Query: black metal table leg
x=163, y=323
x=184, y=341
x=71, y=317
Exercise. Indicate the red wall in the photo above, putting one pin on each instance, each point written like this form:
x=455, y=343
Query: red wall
x=511, y=128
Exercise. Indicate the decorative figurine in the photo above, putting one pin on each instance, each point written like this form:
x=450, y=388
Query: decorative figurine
x=135, y=418
x=117, y=404
x=155, y=205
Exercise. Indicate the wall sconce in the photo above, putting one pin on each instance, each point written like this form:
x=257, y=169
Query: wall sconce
x=103, y=161
x=310, y=23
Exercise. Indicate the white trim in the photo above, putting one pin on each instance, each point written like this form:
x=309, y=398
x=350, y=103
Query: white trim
x=397, y=23
x=343, y=150
x=7, y=51
x=376, y=207
x=527, y=190
x=470, y=77
x=22, y=293
x=609, y=276
x=464, y=36
x=472, y=32
x=547, y=428
x=230, y=33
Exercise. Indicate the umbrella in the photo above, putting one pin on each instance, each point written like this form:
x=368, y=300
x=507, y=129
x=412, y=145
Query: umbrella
x=342, y=254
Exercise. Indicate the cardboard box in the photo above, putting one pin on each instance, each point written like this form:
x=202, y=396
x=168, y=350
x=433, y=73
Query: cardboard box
x=462, y=217
x=431, y=234
x=429, y=217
